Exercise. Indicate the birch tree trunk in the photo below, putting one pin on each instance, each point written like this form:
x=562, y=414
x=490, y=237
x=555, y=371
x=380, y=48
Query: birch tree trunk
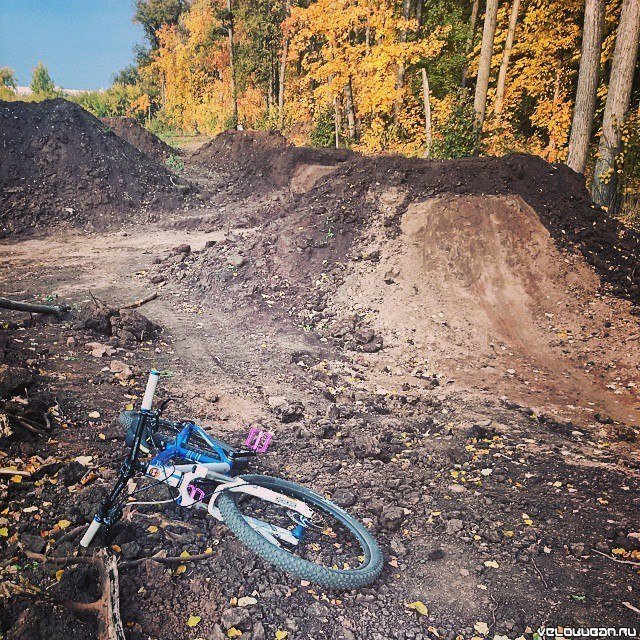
x=427, y=112
x=470, y=39
x=586, y=93
x=622, y=70
x=504, y=64
x=337, y=122
x=484, y=66
x=351, y=111
x=232, y=68
x=282, y=75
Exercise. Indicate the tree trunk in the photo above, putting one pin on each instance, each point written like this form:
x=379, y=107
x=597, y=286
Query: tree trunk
x=586, y=93
x=470, y=39
x=622, y=70
x=337, y=122
x=232, y=69
x=484, y=66
x=406, y=14
x=427, y=112
x=282, y=76
x=351, y=111
x=504, y=64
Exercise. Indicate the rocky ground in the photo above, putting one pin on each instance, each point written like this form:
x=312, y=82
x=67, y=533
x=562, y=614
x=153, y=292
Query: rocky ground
x=495, y=510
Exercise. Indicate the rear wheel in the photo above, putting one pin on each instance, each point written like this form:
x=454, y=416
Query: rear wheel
x=335, y=550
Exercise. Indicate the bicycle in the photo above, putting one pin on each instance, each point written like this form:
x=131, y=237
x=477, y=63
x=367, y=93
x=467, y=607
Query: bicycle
x=287, y=525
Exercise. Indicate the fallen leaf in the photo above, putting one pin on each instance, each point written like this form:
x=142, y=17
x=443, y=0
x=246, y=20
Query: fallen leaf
x=85, y=461
x=246, y=601
x=234, y=633
x=63, y=524
x=185, y=554
x=193, y=621
x=16, y=479
x=492, y=564
x=4, y=532
x=94, y=414
x=152, y=528
x=181, y=568
x=59, y=573
x=418, y=606
x=481, y=627
x=281, y=635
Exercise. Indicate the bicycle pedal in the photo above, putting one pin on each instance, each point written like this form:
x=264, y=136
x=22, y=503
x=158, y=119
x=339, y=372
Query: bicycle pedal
x=258, y=440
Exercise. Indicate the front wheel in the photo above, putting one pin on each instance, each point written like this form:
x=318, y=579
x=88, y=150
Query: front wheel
x=333, y=549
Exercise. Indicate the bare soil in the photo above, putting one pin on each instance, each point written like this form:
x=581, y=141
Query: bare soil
x=469, y=383
x=60, y=166
x=136, y=135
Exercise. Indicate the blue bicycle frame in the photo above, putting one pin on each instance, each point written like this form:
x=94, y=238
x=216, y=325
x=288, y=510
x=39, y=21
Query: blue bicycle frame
x=179, y=449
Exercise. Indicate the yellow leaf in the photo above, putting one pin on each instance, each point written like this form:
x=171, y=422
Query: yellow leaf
x=281, y=635
x=618, y=551
x=234, y=633
x=193, y=621
x=181, y=568
x=16, y=478
x=63, y=524
x=152, y=528
x=418, y=606
x=4, y=532
x=59, y=573
x=208, y=550
x=185, y=554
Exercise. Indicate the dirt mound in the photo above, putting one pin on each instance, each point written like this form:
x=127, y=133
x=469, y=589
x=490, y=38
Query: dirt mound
x=128, y=129
x=60, y=164
x=264, y=160
x=502, y=258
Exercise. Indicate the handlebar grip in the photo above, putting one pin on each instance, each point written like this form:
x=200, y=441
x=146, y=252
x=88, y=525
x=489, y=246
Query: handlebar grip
x=90, y=532
x=150, y=391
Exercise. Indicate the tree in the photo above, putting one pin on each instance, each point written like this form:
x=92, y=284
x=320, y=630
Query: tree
x=504, y=64
x=484, y=65
x=283, y=69
x=426, y=98
x=585, y=106
x=232, y=66
x=8, y=78
x=41, y=82
x=155, y=14
x=620, y=84
x=469, y=44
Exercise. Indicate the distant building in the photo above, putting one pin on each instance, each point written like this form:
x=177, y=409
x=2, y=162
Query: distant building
x=26, y=91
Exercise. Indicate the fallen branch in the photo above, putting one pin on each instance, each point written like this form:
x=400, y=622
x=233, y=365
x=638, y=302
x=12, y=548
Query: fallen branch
x=535, y=566
x=107, y=608
x=5, y=471
x=69, y=535
x=631, y=607
x=27, y=423
x=166, y=560
x=15, y=305
x=605, y=555
x=40, y=557
x=140, y=302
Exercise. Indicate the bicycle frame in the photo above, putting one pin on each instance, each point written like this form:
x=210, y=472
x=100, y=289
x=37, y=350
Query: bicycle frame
x=181, y=476
x=207, y=467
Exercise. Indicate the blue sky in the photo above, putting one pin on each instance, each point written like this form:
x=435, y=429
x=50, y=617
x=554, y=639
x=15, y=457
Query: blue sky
x=82, y=42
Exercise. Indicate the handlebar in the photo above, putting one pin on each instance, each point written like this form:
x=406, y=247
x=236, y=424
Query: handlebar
x=149, y=392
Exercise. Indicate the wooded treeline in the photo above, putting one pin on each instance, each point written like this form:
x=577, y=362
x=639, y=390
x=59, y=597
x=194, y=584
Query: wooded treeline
x=445, y=78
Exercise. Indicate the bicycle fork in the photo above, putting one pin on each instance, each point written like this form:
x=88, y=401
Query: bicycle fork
x=110, y=511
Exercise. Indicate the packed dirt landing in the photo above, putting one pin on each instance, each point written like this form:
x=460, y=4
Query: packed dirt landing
x=475, y=288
